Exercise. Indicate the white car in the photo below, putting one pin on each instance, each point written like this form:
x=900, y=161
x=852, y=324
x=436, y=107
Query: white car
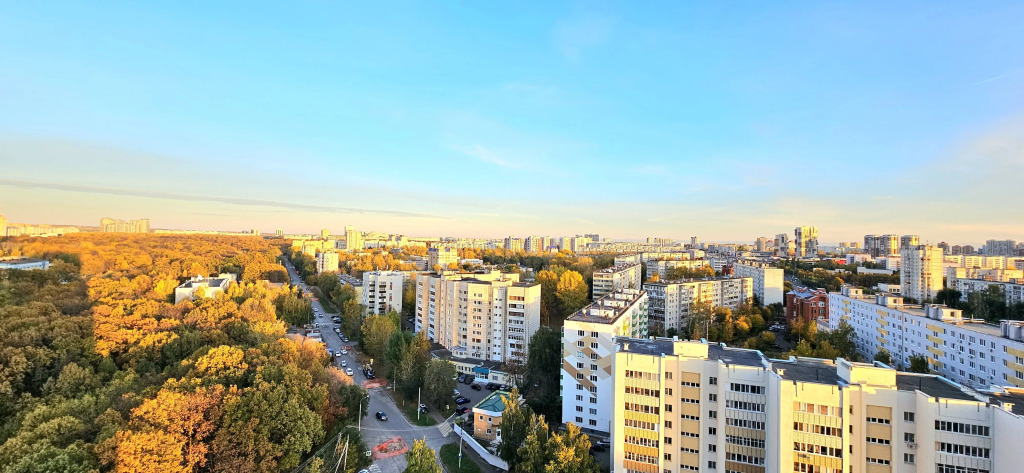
x=349, y=371
x=344, y=351
x=344, y=363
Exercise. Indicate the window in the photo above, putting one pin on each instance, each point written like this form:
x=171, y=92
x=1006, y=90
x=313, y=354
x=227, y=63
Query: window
x=876, y=420
x=668, y=391
x=593, y=411
x=593, y=422
x=713, y=414
x=593, y=367
x=713, y=381
x=579, y=365
x=593, y=356
x=580, y=332
x=668, y=456
x=579, y=408
x=579, y=397
x=579, y=343
x=908, y=416
x=668, y=407
x=712, y=465
x=712, y=431
x=593, y=334
x=909, y=437
x=593, y=400
x=668, y=424
x=712, y=447
x=908, y=458
x=579, y=420
x=668, y=440
x=712, y=397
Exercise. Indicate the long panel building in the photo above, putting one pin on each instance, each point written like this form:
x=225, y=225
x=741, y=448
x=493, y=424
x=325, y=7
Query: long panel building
x=620, y=276
x=768, y=280
x=588, y=341
x=670, y=301
x=682, y=406
x=482, y=315
x=966, y=351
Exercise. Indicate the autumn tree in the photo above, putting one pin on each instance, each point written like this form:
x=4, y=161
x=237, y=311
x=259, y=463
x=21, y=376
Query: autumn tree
x=376, y=331
x=571, y=293
x=421, y=458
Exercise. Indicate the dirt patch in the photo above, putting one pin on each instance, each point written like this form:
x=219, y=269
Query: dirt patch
x=375, y=383
x=391, y=447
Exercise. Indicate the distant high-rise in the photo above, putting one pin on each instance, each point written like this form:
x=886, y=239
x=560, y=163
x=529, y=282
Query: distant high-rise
x=441, y=257
x=921, y=271
x=325, y=233
x=806, y=241
x=279, y=232
x=909, y=240
x=326, y=262
x=120, y=226
x=761, y=245
x=783, y=245
x=694, y=242
x=353, y=239
x=1000, y=248
x=882, y=245
x=3, y=226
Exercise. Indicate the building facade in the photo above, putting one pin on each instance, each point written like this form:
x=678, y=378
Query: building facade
x=353, y=239
x=588, y=342
x=768, y=281
x=326, y=262
x=683, y=406
x=120, y=226
x=965, y=351
x=806, y=241
x=482, y=315
x=671, y=301
x=441, y=257
x=382, y=291
x=623, y=276
x=806, y=306
x=23, y=263
x=882, y=245
x=921, y=271
x=208, y=287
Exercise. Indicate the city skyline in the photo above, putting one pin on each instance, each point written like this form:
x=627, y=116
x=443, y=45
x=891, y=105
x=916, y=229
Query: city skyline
x=671, y=121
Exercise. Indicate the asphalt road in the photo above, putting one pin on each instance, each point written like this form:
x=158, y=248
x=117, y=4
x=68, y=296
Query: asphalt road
x=375, y=431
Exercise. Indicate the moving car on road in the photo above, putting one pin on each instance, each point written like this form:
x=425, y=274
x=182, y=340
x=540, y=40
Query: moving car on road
x=349, y=371
x=381, y=415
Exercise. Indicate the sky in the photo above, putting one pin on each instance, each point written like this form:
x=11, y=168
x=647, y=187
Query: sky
x=725, y=120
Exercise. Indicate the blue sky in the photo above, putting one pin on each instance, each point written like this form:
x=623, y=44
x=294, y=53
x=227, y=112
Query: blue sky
x=729, y=121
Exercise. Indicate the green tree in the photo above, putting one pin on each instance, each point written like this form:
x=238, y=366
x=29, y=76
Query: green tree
x=421, y=458
x=394, y=355
x=352, y=315
x=569, y=452
x=377, y=330
x=883, y=356
x=842, y=338
x=548, y=281
x=543, y=372
x=949, y=296
x=919, y=364
x=514, y=422
x=533, y=453
x=571, y=293
x=439, y=382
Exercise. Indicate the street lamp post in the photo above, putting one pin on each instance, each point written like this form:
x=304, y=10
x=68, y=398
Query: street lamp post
x=360, y=413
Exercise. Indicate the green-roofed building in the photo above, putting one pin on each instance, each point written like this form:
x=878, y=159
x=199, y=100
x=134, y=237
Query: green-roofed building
x=487, y=416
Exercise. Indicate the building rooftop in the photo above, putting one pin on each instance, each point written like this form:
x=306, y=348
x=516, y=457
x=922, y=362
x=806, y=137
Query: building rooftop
x=494, y=402
x=681, y=281
x=1009, y=395
x=643, y=346
x=932, y=385
x=735, y=356
x=616, y=268
x=974, y=325
x=609, y=307
x=807, y=370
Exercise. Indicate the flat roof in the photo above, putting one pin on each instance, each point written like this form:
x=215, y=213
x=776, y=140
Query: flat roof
x=615, y=310
x=645, y=346
x=808, y=370
x=1014, y=396
x=735, y=356
x=974, y=325
x=21, y=260
x=680, y=281
x=932, y=385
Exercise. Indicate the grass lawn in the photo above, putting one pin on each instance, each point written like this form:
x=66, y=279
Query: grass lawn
x=409, y=409
x=450, y=458
x=325, y=302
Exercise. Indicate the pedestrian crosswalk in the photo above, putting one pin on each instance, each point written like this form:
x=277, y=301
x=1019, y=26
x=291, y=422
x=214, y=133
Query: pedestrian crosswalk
x=374, y=468
x=445, y=428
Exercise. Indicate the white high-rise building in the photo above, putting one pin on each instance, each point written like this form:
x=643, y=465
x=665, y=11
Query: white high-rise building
x=382, y=291
x=671, y=301
x=921, y=271
x=353, y=239
x=484, y=315
x=326, y=261
x=768, y=281
x=624, y=276
x=784, y=247
x=688, y=406
x=588, y=342
x=806, y=241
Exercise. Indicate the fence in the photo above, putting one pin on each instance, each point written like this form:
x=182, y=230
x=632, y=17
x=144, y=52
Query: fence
x=479, y=449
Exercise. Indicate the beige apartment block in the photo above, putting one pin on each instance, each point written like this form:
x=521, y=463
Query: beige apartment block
x=621, y=276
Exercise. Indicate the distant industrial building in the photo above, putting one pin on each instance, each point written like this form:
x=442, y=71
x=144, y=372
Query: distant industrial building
x=207, y=287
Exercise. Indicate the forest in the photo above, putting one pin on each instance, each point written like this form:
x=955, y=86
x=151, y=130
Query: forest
x=101, y=371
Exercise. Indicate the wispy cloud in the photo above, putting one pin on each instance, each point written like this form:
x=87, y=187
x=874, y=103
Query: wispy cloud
x=487, y=155
x=208, y=198
x=993, y=79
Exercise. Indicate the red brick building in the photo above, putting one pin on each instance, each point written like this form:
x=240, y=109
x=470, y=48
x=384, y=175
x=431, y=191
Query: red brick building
x=806, y=305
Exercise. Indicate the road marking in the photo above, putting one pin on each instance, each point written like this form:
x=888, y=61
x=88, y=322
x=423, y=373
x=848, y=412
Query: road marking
x=374, y=468
x=445, y=428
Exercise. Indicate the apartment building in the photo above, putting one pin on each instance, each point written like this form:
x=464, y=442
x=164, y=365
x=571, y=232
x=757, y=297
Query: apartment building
x=807, y=305
x=353, y=239
x=662, y=267
x=442, y=257
x=671, y=301
x=806, y=241
x=326, y=261
x=382, y=291
x=18, y=262
x=882, y=245
x=588, y=341
x=1014, y=289
x=1000, y=248
x=784, y=246
x=966, y=351
x=482, y=315
x=921, y=271
x=690, y=406
x=623, y=276
x=110, y=225
x=768, y=280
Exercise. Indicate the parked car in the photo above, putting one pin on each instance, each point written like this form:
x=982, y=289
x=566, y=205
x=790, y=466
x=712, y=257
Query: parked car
x=344, y=351
x=462, y=410
x=337, y=354
x=492, y=386
x=603, y=443
x=344, y=363
x=462, y=400
x=456, y=393
x=461, y=378
x=475, y=387
x=381, y=415
x=349, y=371
x=344, y=339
